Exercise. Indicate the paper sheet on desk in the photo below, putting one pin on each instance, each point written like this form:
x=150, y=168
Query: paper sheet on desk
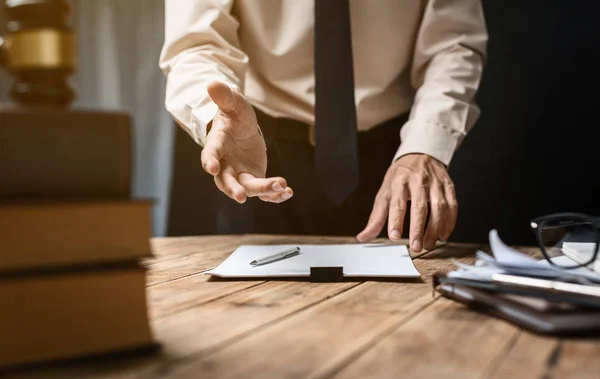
x=357, y=260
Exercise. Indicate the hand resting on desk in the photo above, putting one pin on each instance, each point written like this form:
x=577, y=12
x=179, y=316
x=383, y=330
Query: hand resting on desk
x=423, y=180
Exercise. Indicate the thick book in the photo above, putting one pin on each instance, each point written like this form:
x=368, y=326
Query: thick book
x=39, y=235
x=73, y=314
x=64, y=153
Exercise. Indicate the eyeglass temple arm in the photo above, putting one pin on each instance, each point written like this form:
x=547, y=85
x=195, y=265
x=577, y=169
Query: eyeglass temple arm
x=596, y=221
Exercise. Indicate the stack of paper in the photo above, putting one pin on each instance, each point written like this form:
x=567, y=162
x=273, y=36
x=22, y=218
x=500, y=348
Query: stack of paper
x=357, y=260
x=530, y=293
x=507, y=260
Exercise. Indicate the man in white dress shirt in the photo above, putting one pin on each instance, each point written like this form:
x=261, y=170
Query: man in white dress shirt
x=359, y=105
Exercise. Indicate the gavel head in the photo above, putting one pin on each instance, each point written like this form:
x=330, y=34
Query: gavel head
x=39, y=51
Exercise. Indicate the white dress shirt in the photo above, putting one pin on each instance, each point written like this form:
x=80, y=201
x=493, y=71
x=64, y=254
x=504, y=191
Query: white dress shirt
x=419, y=56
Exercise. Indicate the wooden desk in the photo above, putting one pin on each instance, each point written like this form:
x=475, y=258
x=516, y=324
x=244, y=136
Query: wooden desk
x=282, y=329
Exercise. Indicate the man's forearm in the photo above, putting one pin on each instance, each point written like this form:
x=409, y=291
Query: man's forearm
x=447, y=68
x=195, y=54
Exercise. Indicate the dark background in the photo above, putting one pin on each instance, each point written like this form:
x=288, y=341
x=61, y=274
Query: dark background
x=535, y=148
x=532, y=152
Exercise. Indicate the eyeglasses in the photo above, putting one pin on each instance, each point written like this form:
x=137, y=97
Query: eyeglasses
x=567, y=240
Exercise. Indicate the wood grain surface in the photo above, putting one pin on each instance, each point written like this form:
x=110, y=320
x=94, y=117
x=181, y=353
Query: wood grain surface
x=218, y=328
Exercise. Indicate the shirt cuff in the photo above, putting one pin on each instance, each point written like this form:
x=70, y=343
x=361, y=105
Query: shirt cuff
x=434, y=139
x=201, y=116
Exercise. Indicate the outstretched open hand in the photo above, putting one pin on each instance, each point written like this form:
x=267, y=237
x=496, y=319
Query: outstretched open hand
x=235, y=152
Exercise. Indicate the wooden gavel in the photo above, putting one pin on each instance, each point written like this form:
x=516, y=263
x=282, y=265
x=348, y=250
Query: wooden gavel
x=39, y=51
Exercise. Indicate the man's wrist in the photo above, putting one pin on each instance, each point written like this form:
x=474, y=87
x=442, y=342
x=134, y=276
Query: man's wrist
x=424, y=155
x=429, y=138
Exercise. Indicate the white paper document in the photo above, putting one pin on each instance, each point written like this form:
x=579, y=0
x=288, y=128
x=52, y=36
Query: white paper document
x=357, y=260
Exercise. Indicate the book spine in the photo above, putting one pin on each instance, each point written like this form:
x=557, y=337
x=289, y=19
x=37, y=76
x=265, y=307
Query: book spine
x=65, y=155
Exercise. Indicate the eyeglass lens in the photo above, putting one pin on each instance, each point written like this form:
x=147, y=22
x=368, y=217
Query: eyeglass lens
x=569, y=242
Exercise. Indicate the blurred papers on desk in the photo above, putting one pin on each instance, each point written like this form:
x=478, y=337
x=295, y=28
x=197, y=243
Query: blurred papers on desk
x=531, y=293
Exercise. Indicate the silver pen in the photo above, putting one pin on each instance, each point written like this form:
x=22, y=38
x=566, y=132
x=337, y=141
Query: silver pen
x=276, y=257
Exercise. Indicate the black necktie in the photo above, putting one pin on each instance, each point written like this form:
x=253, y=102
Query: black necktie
x=336, y=152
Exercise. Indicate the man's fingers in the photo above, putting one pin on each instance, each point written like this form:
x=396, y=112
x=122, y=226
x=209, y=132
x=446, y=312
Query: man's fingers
x=376, y=220
x=222, y=95
x=437, y=217
x=397, y=211
x=418, y=213
x=261, y=186
x=278, y=197
x=212, y=153
x=450, y=222
x=227, y=183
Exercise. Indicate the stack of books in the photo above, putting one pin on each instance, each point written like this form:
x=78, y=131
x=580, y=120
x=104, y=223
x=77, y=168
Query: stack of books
x=533, y=294
x=72, y=238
